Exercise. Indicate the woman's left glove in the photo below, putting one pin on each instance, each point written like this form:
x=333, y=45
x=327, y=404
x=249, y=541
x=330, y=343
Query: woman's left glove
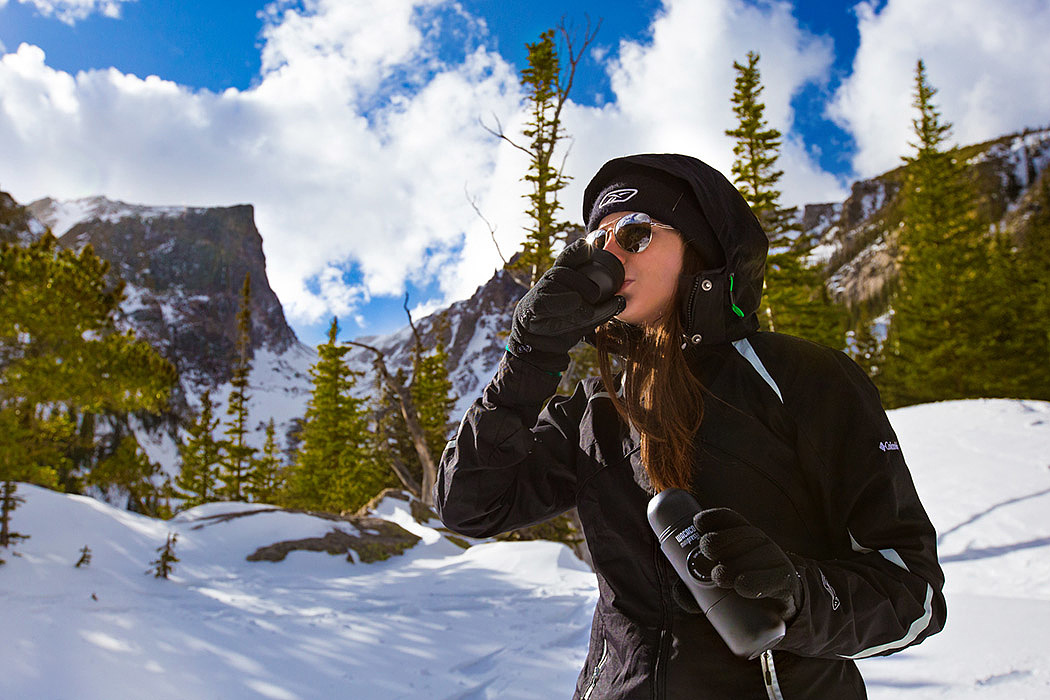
x=747, y=560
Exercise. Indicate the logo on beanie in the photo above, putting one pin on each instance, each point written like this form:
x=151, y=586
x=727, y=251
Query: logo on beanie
x=617, y=196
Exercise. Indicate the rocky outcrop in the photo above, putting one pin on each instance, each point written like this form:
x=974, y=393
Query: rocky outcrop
x=857, y=239
x=184, y=269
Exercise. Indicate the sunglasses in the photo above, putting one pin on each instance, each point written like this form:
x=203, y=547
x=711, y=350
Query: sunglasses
x=633, y=233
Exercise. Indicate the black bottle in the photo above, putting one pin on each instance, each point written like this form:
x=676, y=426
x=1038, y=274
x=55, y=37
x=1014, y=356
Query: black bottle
x=748, y=627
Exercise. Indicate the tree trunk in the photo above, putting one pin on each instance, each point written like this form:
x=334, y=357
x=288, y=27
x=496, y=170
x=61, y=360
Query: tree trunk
x=6, y=502
x=401, y=469
x=415, y=430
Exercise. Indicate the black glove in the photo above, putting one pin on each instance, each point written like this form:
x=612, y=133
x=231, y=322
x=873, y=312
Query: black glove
x=746, y=560
x=553, y=316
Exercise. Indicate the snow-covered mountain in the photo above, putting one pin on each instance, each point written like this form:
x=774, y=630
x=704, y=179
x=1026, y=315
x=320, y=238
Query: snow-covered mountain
x=857, y=238
x=184, y=267
x=497, y=620
x=475, y=339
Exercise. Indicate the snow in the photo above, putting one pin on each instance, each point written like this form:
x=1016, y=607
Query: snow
x=61, y=216
x=497, y=620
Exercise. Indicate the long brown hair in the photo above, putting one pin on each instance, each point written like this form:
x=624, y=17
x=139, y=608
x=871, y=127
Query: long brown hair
x=661, y=397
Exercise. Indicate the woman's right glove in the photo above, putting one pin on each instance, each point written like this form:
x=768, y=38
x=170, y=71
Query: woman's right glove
x=553, y=316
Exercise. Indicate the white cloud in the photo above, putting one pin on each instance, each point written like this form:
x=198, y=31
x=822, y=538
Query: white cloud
x=71, y=11
x=356, y=142
x=989, y=61
x=673, y=92
x=332, y=188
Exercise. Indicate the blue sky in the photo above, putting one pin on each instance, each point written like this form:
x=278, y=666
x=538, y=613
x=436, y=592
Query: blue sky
x=354, y=129
x=215, y=45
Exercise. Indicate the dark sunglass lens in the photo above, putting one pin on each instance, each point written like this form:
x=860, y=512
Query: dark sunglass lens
x=598, y=238
x=634, y=237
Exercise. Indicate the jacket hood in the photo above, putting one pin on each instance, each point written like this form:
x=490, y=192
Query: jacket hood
x=718, y=305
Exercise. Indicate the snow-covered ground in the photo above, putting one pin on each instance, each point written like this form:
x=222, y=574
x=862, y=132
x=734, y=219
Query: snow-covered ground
x=499, y=620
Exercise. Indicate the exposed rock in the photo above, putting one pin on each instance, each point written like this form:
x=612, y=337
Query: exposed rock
x=184, y=268
x=376, y=540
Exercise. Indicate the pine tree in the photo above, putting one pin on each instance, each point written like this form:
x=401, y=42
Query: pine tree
x=201, y=457
x=26, y=454
x=85, y=557
x=63, y=362
x=757, y=149
x=547, y=85
x=432, y=391
x=164, y=564
x=238, y=455
x=540, y=79
x=266, y=481
x=392, y=438
x=796, y=300
x=1031, y=289
x=336, y=467
x=131, y=470
x=954, y=332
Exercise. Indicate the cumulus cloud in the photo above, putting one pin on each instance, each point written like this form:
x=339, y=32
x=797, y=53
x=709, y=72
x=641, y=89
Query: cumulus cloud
x=673, y=90
x=360, y=136
x=989, y=61
x=71, y=11
x=346, y=167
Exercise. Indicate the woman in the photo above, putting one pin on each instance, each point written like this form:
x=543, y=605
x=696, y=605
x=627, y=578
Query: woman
x=809, y=501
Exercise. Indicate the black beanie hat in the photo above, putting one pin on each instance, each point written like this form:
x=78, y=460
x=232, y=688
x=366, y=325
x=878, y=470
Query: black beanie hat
x=666, y=198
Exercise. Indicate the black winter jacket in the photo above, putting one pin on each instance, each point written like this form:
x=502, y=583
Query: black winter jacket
x=806, y=454
x=793, y=437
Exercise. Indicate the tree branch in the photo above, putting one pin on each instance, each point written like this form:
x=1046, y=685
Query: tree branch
x=415, y=430
x=499, y=133
x=419, y=341
x=492, y=229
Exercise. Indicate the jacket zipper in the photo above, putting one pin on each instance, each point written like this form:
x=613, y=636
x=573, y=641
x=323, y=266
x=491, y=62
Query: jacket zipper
x=769, y=676
x=596, y=673
x=692, y=303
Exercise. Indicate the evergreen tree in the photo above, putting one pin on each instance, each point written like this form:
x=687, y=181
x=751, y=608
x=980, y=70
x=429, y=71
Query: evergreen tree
x=85, y=557
x=392, y=438
x=201, y=456
x=757, y=149
x=164, y=564
x=336, y=467
x=796, y=300
x=266, y=481
x=130, y=469
x=954, y=333
x=1032, y=292
x=238, y=454
x=63, y=362
x=432, y=391
x=541, y=81
x=547, y=85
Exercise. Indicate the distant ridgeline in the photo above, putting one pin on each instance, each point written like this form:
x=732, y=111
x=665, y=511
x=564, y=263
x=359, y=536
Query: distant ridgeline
x=184, y=268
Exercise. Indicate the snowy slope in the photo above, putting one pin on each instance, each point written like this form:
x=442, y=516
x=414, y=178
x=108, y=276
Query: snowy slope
x=499, y=620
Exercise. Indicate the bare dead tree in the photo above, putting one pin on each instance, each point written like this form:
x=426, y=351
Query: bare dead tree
x=412, y=325
x=415, y=430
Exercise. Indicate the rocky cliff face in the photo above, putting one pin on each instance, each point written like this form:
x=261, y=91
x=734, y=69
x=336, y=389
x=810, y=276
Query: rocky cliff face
x=857, y=238
x=184, y=269
x=475, y=339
